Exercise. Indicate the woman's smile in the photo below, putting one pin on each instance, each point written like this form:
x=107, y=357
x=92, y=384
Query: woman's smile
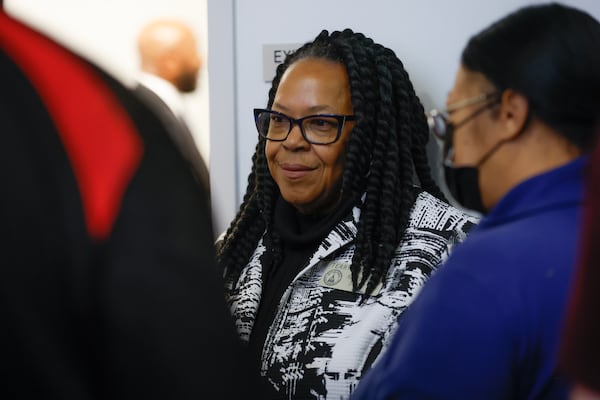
x=295, y=171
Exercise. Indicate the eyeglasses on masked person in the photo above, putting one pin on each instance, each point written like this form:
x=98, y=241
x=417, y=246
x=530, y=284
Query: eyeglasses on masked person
x=439, y=123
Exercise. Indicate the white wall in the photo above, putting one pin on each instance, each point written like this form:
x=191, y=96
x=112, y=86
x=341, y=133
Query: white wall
x=223, y=163
x=427, y=35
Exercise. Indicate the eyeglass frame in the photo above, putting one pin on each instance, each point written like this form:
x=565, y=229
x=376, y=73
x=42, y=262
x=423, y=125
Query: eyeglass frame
x=341, y=119
x=436, y=114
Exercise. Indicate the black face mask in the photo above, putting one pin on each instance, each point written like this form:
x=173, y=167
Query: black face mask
x=463, y=182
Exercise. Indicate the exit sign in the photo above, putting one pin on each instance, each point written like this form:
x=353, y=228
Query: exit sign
x=273, y=55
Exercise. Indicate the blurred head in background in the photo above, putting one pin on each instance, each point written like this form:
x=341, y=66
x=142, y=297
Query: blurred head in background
x=168, y=49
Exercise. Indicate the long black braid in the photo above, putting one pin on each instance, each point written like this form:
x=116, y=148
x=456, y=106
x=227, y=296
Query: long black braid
x=385, y=153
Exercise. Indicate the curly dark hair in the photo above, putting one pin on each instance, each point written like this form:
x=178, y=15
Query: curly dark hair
x=385, y=155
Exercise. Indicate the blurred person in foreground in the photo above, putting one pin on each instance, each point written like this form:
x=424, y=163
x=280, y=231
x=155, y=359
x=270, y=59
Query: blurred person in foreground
x=518, y=124
x=109, y=287
x=341, y=223
x=580, y=351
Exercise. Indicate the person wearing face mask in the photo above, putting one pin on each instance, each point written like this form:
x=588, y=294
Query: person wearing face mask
x=341, y=223
x=520, y=120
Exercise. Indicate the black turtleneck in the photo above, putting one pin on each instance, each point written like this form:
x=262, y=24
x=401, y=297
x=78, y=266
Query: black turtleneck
x=300, y=236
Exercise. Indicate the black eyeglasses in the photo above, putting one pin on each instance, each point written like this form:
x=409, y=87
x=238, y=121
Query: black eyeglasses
x=438, y=120
x=315, y=129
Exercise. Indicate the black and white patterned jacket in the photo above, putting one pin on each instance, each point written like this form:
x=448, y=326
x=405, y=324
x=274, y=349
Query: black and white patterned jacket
x=323, y=338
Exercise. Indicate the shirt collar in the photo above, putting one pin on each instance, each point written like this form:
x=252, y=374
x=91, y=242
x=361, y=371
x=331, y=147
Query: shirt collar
x=555, y=188
x=165, y=90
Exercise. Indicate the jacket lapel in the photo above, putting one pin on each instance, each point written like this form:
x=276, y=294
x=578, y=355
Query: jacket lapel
x=245, y=295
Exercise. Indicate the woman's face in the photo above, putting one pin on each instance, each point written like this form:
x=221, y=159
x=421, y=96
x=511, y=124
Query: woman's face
x=479, y=137
x=309, y=176
x=473, y=139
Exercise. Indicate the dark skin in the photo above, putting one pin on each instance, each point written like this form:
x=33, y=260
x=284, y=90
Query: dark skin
x=309, y=176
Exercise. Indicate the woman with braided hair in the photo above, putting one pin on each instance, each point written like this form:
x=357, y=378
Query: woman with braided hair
x=341, y=223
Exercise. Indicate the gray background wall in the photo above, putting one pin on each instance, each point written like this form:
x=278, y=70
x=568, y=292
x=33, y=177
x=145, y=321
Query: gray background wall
x=427, y=35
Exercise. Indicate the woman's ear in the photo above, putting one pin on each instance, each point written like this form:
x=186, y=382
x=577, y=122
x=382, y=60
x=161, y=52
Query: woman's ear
x=514, y=112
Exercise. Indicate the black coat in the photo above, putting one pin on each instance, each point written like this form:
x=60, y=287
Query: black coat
x=108, y=287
